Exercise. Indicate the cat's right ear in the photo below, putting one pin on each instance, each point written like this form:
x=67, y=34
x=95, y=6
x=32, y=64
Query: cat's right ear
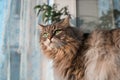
x=65, y=22
x=40, y=27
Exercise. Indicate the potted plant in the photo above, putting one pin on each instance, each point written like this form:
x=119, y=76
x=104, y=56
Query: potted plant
x=51, y=13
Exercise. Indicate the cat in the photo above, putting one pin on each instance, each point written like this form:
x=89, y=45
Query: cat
x=80, y=56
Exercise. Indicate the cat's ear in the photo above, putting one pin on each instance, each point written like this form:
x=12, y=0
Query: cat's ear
x=40, y=27
x=65, y=22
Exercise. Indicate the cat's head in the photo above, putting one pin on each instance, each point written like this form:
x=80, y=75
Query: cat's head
x=57, y=35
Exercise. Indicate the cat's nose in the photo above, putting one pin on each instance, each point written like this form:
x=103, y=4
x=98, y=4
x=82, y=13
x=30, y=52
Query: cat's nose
x=50, y=37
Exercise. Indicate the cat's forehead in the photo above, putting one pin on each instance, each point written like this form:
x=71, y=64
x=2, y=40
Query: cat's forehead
x=51, y=27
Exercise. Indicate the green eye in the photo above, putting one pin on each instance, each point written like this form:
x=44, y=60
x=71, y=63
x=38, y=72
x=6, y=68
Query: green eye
x=45, y=35
x=58, y=32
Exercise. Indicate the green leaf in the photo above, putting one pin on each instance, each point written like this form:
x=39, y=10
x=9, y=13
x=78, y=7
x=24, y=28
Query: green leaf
x=49, y=8
x=38, y=12
x=54, y=6
x=51, y=12
x=37, y=7
x=43, y=16
x=46, y=20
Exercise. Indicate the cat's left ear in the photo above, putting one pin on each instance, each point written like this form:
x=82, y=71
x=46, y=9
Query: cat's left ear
x=65, y=22
x=40, y=27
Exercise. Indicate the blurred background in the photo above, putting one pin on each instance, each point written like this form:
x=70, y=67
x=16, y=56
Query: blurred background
x=20, y=55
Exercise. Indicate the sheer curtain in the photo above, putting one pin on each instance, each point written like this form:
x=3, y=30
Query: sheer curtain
x=21, y=58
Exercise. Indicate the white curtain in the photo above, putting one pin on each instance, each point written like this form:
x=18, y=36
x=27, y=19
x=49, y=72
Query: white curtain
x=21, y=56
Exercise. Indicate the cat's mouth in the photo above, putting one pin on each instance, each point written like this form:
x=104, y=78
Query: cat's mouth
x=51, y=44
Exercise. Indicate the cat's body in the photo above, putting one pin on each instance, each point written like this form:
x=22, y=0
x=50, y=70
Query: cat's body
x=77, y=56
x=103, y=55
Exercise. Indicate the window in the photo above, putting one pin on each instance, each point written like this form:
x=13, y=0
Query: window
x=116, y=10
x=94, y=14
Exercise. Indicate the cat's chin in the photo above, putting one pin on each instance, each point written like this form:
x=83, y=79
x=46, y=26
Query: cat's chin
x=52, y=46
x=56, y=45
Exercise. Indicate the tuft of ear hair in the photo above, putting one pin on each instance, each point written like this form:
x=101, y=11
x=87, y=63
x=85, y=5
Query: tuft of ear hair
x=65, y=22
x=40, y=27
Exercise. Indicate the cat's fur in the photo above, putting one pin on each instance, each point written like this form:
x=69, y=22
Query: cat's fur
x=79, y=56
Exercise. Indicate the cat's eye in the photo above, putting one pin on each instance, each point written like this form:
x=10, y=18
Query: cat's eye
x=58, y=32
x=45, y=35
